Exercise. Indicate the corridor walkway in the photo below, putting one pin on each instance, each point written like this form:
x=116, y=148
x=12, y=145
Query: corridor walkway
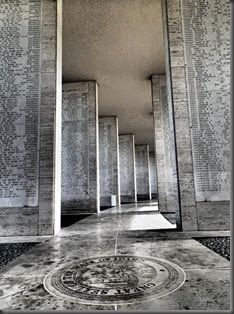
x=116, y=261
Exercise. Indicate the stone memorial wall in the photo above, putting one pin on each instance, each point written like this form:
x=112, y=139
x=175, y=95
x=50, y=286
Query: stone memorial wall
x=197, y=38
x=30, y=80
x=142, y=172
x=109, y=160
x=80, y=148
x=206, y=26
x=20, y=31
x=153, y=175
x=127, y=168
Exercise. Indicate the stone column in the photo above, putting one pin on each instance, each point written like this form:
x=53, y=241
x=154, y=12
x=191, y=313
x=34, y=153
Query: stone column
x=127, y=168
x=164, y=147
x=143, y=172
x=80, y=158
x=197, y=47
x=158, y=82
x=109, y=161
x=30, y=127
x=153, y=175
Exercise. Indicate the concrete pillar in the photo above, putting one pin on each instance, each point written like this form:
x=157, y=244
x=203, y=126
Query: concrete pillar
x=30, y=126
x=158, y=83
x=127, y=168
x=142, y=172
x=80, y=158
x=164, y=146
x=197, y=48
x=109, y=161
x=153, y=175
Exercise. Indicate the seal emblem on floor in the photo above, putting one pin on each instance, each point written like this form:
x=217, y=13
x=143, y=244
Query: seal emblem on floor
x=114, y=279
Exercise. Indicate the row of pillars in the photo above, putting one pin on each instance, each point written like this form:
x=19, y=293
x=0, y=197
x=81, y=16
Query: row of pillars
x=100, y=168
x=49, y=136
x=32, y=170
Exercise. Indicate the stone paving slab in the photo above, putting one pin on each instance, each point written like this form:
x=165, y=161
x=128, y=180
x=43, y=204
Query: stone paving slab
x=203, y=290
x=207, y=274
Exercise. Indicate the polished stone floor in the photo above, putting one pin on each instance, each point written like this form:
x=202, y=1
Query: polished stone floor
x=117, y=260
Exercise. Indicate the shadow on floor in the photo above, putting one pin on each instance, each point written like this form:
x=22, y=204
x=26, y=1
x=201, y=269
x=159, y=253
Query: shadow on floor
x=68, y=220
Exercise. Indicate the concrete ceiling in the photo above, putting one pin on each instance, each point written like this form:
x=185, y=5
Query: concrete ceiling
x=118, y=43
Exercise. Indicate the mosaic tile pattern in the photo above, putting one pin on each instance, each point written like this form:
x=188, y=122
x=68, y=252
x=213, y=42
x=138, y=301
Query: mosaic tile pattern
x=220, y=245
x=10, y=251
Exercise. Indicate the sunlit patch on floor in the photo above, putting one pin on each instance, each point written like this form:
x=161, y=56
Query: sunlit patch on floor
x=114, y=279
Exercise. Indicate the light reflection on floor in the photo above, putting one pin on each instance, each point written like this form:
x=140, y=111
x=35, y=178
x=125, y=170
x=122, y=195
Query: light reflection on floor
x=130, y=230
x=143, y=216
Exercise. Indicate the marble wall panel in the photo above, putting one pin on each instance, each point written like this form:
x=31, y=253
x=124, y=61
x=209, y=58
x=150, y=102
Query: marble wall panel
x=213, y=215
x=153, y=175
x=31, y=114
x=208, y=83
x=143, y=172
x=80, y=186
x=20, y=101
x=20, y=221
x=127, y=168
x=109, y=160
x=197, y=58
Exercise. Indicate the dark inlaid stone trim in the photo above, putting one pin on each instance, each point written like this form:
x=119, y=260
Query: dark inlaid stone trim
x=220, y=245
x=10, y=251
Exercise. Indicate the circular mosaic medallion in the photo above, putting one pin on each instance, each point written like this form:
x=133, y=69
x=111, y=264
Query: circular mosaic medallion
x=114, y=279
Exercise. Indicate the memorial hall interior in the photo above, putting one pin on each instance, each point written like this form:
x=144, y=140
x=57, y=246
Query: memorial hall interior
x=115, y=155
